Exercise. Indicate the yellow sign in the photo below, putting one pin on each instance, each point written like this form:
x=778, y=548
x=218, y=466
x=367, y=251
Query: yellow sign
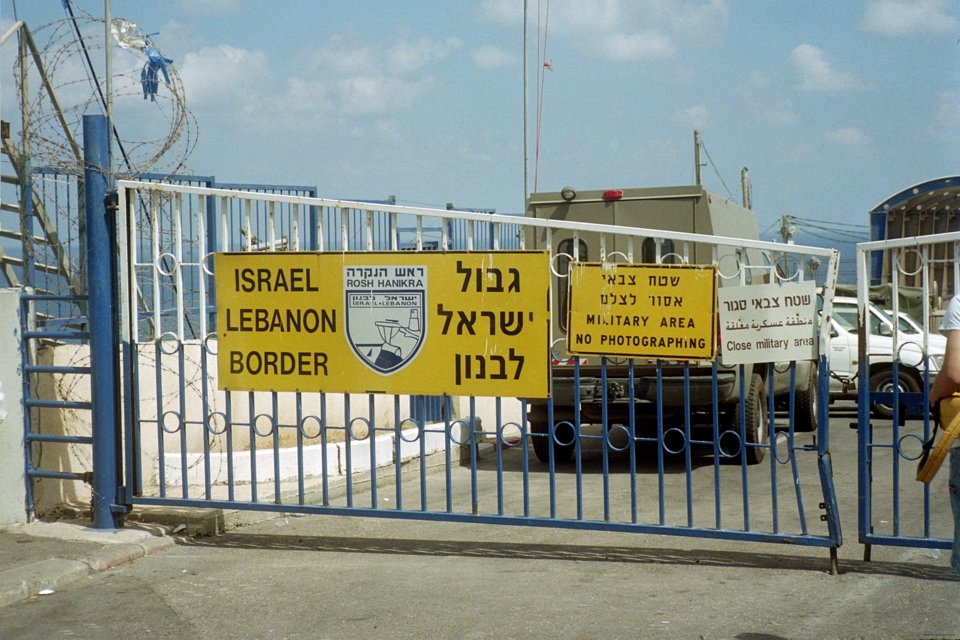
x=428, y=323
x=642, y=311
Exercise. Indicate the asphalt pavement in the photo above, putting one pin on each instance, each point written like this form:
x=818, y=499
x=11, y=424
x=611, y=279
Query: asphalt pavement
x=287, y=576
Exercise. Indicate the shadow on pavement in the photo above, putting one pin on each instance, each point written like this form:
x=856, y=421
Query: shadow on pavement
x=575, y=553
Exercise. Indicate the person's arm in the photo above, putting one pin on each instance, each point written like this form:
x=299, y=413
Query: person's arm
x=948, y=378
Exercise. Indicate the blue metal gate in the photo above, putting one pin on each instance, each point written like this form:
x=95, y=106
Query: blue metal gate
x=190, y=444
x=899, y=356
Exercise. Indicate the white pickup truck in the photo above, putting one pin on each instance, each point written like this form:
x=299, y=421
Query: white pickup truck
x=914, y=361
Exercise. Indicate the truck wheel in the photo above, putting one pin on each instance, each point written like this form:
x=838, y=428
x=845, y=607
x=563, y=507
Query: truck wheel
x=807, y=404
x=883, y=381
x=541, y=440
x=757, y=430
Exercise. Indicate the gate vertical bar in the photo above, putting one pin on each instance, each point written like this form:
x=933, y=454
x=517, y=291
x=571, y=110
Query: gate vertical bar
x=101, y=262
x=864, y=428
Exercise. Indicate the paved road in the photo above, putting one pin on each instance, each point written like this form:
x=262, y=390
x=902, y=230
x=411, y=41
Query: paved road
x=341, y=577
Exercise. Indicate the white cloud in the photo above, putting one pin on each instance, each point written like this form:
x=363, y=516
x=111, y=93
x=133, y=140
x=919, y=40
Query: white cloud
x=211, y=6
x=697, y=116
x=377, y=79
x=622, y=30
x=408, y=56
x=503, y=11
x=781, y=114
x=340, y=57
x=490, y=57
x=846, y=137
x=817, y=74
x=909, y=18
x=636, y=46
x=946, y=124
x=698, y=20
x=362, y=95
x=305, y=96
x=223, y=75
x=339, y=79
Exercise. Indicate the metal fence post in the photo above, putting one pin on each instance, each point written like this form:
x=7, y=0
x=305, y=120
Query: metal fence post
x=101, y=274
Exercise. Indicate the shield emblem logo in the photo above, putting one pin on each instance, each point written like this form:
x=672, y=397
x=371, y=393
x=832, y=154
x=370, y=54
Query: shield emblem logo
x=384, y=308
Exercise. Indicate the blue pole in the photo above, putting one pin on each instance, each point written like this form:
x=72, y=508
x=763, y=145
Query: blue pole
x=102, y=311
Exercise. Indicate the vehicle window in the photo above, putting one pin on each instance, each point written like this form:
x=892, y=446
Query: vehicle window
x=875, y=323
x=846, y=316
x=881, y=317
x=907, y=325
x=564, y=256
x=648, y=252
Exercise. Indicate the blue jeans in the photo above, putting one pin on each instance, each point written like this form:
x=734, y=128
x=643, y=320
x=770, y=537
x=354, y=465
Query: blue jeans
x=955, y=505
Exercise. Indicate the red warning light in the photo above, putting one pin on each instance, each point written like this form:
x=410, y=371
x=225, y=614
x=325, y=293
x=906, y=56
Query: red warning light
x=613, y=194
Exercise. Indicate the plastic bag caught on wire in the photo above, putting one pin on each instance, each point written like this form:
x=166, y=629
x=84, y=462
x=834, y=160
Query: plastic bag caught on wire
x=127, y=34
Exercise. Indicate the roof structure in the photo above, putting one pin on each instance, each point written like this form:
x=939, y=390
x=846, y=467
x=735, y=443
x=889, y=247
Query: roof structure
x=939, y=197
x=926, y=208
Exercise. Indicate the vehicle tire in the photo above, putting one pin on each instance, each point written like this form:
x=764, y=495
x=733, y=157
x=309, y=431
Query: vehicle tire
x=756, y=414
x=563, y=433
x=807, y=405
x=883, y=381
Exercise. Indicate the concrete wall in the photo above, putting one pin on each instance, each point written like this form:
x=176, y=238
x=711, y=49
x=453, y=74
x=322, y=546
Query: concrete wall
x=12, y=466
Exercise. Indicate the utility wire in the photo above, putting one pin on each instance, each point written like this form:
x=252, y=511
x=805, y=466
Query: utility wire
x=542, y=66
x=68, y=5
x=836, y=224
x=714, y=165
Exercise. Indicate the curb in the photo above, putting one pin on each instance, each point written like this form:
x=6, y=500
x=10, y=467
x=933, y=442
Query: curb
x=27, y=581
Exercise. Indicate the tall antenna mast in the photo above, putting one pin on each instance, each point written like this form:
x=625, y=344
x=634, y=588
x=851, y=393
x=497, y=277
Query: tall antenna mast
x=526, y=157
x=696, y=158
x=108, y=85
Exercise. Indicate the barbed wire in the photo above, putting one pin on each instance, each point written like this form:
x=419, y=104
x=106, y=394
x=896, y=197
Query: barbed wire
x=155, y=135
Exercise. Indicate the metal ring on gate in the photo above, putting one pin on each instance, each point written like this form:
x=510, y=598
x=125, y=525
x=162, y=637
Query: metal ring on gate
x=203, y=263
x=161, y=341
x=354, y=436
x=920, y=260
x=553, y=269
x=773, y=447
x=207, y=340
x=726, y=367
x=626, y=432
x=450, y=437
x=417, y=425
x=739, y=444
x=208, y=422
x=502, y=439
x=612, y=254
x=302, y=427
x=680, y=259
x=720, y=267
x=786, y=259
x=159, y=264
x=163, y=421
x=912, y=436
x=556, y=430
x=786, y=366
x=683, y=437
x=553, y=353
x=919, y=354
x=256, y=418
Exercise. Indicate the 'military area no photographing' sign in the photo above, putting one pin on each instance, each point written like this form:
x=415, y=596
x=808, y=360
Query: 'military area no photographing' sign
x=458, y=323
x=642, y=311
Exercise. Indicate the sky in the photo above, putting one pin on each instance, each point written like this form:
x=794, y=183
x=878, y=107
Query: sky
x=831, y=106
